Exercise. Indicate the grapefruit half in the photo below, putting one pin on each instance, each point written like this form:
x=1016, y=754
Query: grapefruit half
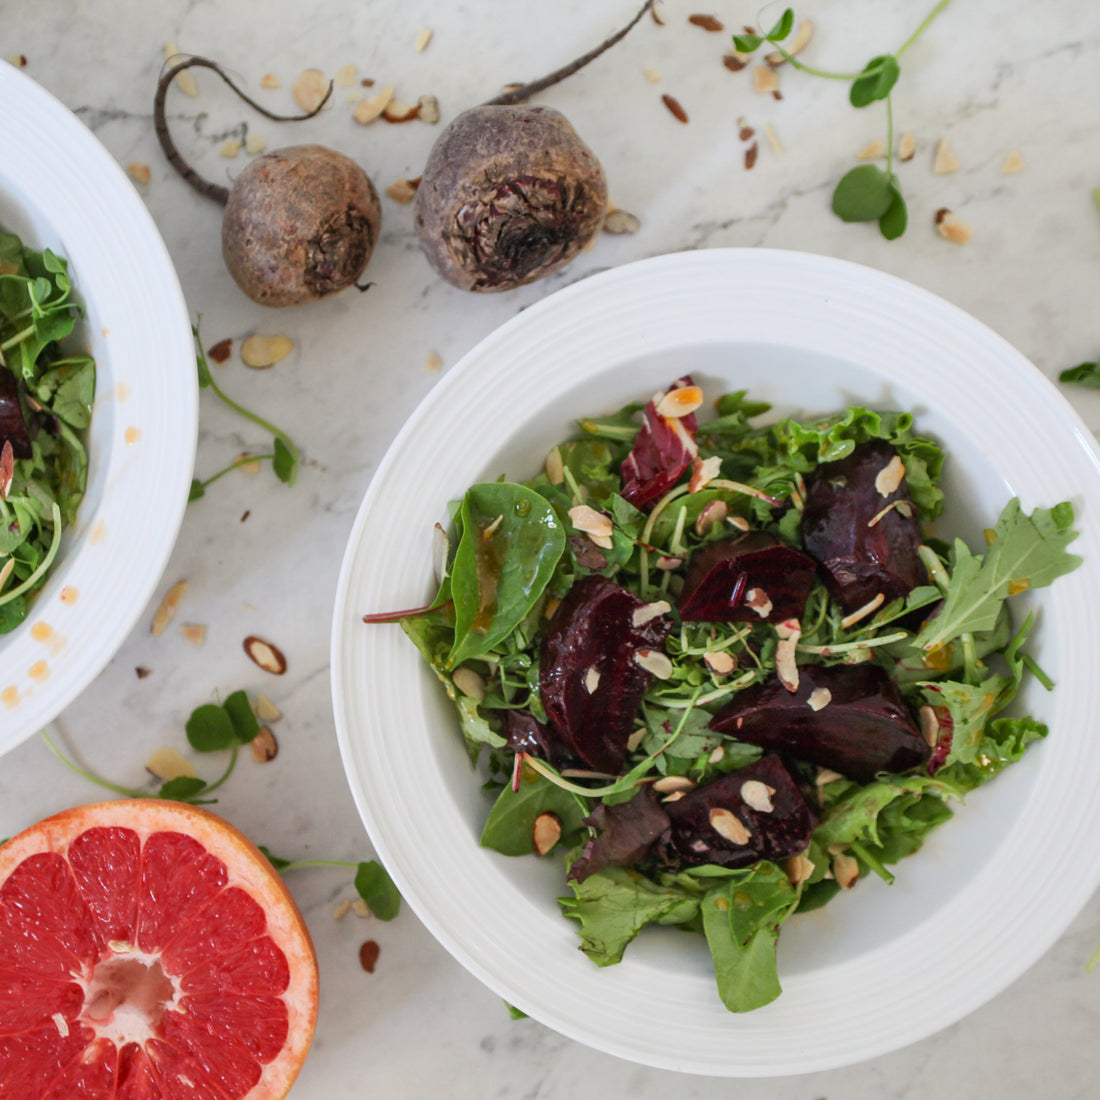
x=149, y=951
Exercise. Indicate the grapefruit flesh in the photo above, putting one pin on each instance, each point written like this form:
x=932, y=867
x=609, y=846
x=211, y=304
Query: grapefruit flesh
x=148, y=951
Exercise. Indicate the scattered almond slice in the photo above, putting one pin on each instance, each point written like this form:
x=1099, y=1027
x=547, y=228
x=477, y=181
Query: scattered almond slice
x=166, y=764
x=703, y=472
x=786, y=667
x=765, y=79
x=720, y=662
x=667, y=564
x=360, y=908
x=929, y=725
x=265, y=710
x=594, y=524
x=907, y=146
x=345, y=76
x=946, y=162
x=270, y=80
x=729, y=826
x=185, y=81
x=889, y=477
x=798, y=868
x=310, y=89
x=264, y=746
x=636, y=738
x=401, y=191
x=759, y=601
x=168, y=606
x=469, y=683
x=773, y=139
x=669, y=783
x=845, y=870
x=652, y=75
x=861, y=613
x=739, y=522
x=555, y=467
x=713, y=513
x=260, y=352
x=194, y=634
x=717, y=754
x=826, y=775
x=254, y=144
x=680, y=401
x=139, y=172
x=248, y=464
x=952, y=228
x=872, y=149
x=265, y=655
x=427, y=109
x=758, y=795
x=796, y=45
x=621, y=221
x=373, y=106
x=592, y=680
x=654, y=662
x=396, y=111
x=545, y=832
x=423, y=37
x=650, y=611
x=1013, y=163
x=230, y=148
x=819, y=699
x=341, y=909
x=6, y=571
x=433, y=361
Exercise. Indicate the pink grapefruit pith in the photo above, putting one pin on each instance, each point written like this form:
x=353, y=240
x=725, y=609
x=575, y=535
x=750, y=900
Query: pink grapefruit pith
x=149, y=951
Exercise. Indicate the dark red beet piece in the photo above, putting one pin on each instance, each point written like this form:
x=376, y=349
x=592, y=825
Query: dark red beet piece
x=859, y=560
x=863, y=729
x=593, y=631
x=714, y=591
x=773, y=834
x=626, y=833
x=13, y=428
x=662, y=451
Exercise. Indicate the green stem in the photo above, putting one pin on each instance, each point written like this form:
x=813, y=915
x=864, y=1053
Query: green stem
x=254, y=417
x=88, y=775
x=44, y=565
x=299, y=863
x=243, y=461
x=922, y=28
x=846, y=647
x=873, y=862
x=225, y=775
x=889, y=135
x=18, y=338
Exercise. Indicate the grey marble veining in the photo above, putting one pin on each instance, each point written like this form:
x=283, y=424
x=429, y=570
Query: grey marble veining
x=260, y=558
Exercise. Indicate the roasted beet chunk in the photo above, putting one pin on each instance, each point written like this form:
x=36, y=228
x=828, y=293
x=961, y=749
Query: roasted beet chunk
x=850, y=718
x=13, y=428
x=589, y=680
x=754, y=813
x=626, y=832
x=865, y=546
x=663, y=450
x=750, y=578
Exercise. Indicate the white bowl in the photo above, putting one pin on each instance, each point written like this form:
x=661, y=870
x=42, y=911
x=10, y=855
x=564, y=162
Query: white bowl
x=60, y=189
x=881, y=966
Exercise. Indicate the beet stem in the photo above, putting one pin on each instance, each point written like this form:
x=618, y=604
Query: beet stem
x=525, y=91
x=205, y=187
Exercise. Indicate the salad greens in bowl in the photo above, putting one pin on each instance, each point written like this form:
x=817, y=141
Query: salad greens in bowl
x=98, y=407
x=743, y=664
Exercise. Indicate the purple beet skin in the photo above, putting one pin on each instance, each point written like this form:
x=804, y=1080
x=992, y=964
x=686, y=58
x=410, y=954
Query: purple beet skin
x=861, y=726
x=662, y=452
x=525, y=733
x=13, y=428
x=720, y=575
x=701, y=833
x=861, y=560
x=589, y=680
x=625, y=834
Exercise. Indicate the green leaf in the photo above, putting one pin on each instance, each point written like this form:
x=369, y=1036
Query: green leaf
x=782, y=27
x=863, y=195
x=196, y=491
x=515, y=1013
x=508, y=828
x=285, y=462
x=878, y=78
x=276, y=861
x=747, y=43
x=242, y=717
x=1085, y=374
x=893, y=223
x=511, y=542
x=182, y=789
x=376, y=888
x=210, y=729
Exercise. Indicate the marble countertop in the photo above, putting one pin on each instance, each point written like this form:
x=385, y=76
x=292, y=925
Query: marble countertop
x=993, y=79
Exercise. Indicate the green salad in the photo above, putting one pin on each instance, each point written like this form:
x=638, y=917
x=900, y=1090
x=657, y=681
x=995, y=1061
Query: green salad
x=46, y=395
x=723, y=671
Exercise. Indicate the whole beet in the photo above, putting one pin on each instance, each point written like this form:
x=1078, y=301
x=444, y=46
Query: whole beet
x=300, y=223
x=509, y=194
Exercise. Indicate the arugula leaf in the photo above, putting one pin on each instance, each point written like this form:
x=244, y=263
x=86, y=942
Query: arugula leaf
x=374, y=885
x=1026, y=552
x=1085, y=374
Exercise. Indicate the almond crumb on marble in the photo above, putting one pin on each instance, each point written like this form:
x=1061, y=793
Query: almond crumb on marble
x=401, y=191
x=341, y=909
x=345, y=76
x=310, y=89
x=265, y=710
x=795, y=46
x=139, y=171
x=194, y=634
x=773, y=139
x=652, y=76
x=428, y=109
x=167, y=763
x=260, y=352
x=168, y=607
x=185, y=81
x=764, y=79
x=254, y=144
x=423, y=37
x=396, y=111
x=951, y=227
x=1013, y=163
x=373, y=106
x=907, y=146
x=265, y=655
x=621, y=221
x=360, y=908
x=230, y=148
x=872, y=149
x=675, y=108
x=945, y=161
x=19, y=60
x=270, y=80
x=264, y=746
x=433, y=361
x=247, y=463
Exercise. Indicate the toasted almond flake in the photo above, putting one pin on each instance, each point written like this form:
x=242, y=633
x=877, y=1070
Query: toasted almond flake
x=650, y=611
x=230, y=148
x=373, y=106
x=845, y=870
x=139, y=172
x=735, y=61
x=621, y=221
x=396, y=111
x=592, y=680
x=795, y=46
x=654, y=662
x=265, y=710
x=636, y=738
x=423, y=37
x=6, y=571
x=764, y=79
x=713, y=513
x=552, y=604
x=758, y=795
x=669, y=783
x=310, y=89
x=945, y=161
x=758, y=600
x=428, y=109
x=247, y=463
x=265, y=655
x=706, y=22
x=555, y=467
x=260, y=352
x=360, y=908
x=703, y=472
x=264, y=746
x=739, y=522
x=667, y=564
x=270, y=80
x=166, y=763
x=720, y=662
x=729, y=826
x=1013, y=163
x=675, y=108
x=469, y=683
x=401, y=191
x=929, y=725
x=652, y=75
x=61, y=1024
x=826, y=775
x=168, y=607
x=254, y=144
x=185, y=81
x=860, y=613
x=798, y=868
x=819, y=699
x=545, y=832
x=585, y=518
x=680, y=401
x=7, y=468
x=773, y=139
x=952, y=228
x=674, y=797
x=890, y=477
x=341, y=909
x=907, y=146
x=716, y=754
x=345, y=76
x=872, y=149
x=194, y=634
x=786, y=667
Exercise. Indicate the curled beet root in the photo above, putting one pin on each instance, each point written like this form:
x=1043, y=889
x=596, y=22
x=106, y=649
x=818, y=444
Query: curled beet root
x=662, y=452
x=754, y=813
x=13, y=426
x=865, y=546
x=850, y=718
x=720, y=575
x=625, y=834
x=589, y=680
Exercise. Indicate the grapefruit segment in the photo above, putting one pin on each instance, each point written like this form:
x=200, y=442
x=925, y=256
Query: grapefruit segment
x=148, y=951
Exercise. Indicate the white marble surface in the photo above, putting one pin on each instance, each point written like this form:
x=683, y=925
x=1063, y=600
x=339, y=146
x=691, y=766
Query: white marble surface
x=989, y=76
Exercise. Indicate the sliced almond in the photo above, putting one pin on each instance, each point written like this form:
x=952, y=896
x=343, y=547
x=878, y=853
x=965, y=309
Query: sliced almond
x=265, y=710
x=765, y=79
x=594, y=524
x=929, y=725
x=890, y=477
x=555, y=467
x=738, y=522
x=716, y=754
x=1013, y=163
x=247, y=463
x=360, y=908
x=798, y=868
x=650, y=611
x=139, y=172
x=729, y=826
x=636, y=738
x=373, y=106
x=310, y=89
x=401, y=191
x=703, y=472
x=7, y=468
x=260, y=352
x=819, y=699
x=194, y=634
x=786, y=667
x=945, y=161
x=545, y=832
x=872, y=149
x=230, y=148
x=713, y=513
x=952, y=228
x=861, y=613
x=669, y=783
x=428, y=109
x=469, y=683
x=270, y=80
x=795, y=46
x=254, y=145
x=592, y=680
x=674, y=797
x=423, y=37
x=265, y=655
x=396, y=111
x=654, y=662
x=166, y=763
x=680, y=401
x=845, y=870
x=185, y=80
x=621, y=221
x=341, y=909
x=907, y=146
x=264, y=746
x=720, y=662
x=759, y=601
x=758, y=795
x=666, y=564
x=652, y=76
x=168, y=606
x=6, y=571
x=345, y=76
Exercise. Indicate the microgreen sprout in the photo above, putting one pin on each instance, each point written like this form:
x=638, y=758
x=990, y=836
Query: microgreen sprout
x=372, y=882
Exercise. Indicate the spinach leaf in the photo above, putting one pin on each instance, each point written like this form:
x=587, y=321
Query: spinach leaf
x=508, y=828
